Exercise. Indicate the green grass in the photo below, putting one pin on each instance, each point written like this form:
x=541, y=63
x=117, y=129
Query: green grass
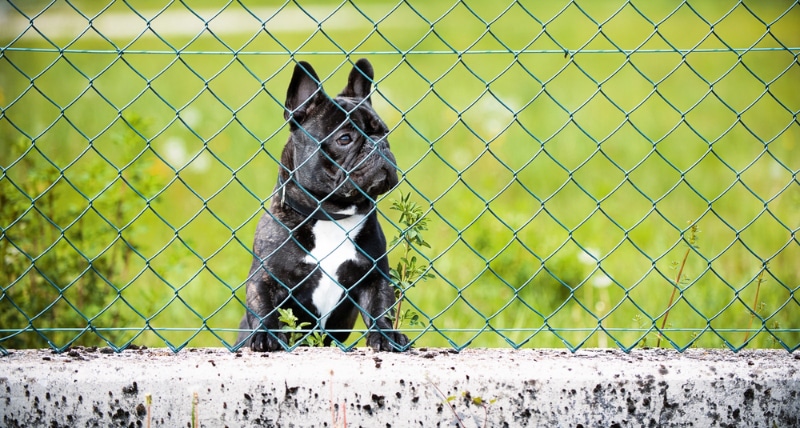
x=523, y=159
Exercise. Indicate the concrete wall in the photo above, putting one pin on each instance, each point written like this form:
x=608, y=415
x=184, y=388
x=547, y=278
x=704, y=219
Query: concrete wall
x=423, y=387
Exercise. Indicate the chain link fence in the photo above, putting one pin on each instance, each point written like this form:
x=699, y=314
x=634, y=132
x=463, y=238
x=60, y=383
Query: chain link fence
x=604, y=173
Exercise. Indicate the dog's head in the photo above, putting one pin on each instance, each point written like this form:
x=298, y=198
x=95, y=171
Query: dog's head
x=338, y=150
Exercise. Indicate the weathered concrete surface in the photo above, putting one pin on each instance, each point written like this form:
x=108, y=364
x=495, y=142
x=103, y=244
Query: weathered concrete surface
x=424, y=387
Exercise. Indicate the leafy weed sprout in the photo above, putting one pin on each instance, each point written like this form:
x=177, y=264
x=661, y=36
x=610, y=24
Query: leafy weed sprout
x=469, y=400
x=295, y=332
x=408, y=270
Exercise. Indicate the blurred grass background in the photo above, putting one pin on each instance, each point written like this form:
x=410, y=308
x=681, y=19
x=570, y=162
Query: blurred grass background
x=561, y=149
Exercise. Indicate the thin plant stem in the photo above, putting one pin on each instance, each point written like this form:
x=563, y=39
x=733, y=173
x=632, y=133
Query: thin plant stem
x=397, y=311
x=403, y=279
x=446, y=400
x=755, y=303
x=692, y=240
x=672, y=296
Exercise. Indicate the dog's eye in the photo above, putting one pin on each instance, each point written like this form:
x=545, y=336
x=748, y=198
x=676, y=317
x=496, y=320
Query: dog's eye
x=344, y=139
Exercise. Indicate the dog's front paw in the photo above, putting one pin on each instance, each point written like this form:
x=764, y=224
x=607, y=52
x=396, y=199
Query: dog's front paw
x=265, y=342
x=387, y=340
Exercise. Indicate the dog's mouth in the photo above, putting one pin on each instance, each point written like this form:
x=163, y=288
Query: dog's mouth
x=352, y=190
x=374, y=175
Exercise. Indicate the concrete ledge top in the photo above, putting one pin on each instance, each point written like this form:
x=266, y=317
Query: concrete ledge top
x=422, y=387
x=428, y=356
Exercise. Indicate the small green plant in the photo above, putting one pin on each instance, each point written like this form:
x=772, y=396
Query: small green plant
x=691, y=241
x=639, y=322
x=695, y=337
x=315, y=339
x=476, y=401
x=469, y=400
x=408, y=270
x=295, y=330
x=773, y=341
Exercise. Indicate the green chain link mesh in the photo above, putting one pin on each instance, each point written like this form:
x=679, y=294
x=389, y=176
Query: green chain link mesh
x=594, y=173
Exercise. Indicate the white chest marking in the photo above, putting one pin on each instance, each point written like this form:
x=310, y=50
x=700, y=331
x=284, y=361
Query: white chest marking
x=333, y=245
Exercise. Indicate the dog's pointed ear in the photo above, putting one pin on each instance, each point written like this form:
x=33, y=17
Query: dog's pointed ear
x=303, y=93
x=359, y=83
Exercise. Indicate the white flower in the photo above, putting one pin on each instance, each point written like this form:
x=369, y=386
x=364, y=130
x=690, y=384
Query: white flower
x=601, y=280
x=11, y=255
x=201, y=162
x=175, y=152
x=588, y=256
x=191, y=116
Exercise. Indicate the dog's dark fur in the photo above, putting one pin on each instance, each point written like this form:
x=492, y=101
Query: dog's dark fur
x=336, y=163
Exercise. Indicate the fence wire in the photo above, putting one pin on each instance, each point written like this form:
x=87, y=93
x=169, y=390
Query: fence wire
x=592, y=174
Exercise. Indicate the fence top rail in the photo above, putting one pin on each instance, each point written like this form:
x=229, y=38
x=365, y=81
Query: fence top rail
x=357, y=53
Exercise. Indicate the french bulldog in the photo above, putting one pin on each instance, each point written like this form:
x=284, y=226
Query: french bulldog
x=319, y=249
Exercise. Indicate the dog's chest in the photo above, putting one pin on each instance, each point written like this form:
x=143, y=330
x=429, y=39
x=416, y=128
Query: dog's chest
x=333, y=246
